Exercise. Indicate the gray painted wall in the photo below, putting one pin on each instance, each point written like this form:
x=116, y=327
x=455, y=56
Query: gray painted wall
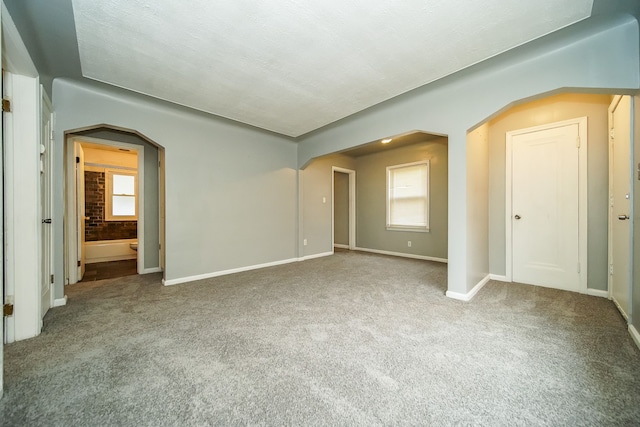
x=608, y=49
x=61, y=53
x=230, y=189
x=316, y=215
x=151, y=190
x=340, y=208
x=371, y=194
x=477, y=204
x=544, y=111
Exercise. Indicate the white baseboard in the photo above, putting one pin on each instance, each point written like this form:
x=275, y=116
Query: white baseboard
x=59, y=302
x=110, y=259
x=151, y=270
x=622, y=313
x=341, y=246
x=235, y=270
x=225, y=272
x=471, y=293
x=635, y=335
x=320, y=255
x=598, y=293
x=403, y=255
x=499, y=277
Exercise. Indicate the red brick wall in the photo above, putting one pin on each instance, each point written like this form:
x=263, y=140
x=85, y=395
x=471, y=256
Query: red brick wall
x=96, y=228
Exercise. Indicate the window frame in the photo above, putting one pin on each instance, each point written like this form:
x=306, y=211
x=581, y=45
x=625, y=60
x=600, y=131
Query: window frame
x=108, y=194
x=406, y=227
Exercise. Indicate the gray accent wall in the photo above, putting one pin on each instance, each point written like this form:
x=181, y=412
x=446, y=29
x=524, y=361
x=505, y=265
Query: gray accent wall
x=599, y=55
x=371, y=196
x=545, y=111
x=315, y=199
x=53, y=56
x=230, y=189
x=151, y=190
x=219, y=173
x=477, y=204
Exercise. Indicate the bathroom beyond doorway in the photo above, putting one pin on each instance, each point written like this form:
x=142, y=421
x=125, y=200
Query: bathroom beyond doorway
x=109, y=270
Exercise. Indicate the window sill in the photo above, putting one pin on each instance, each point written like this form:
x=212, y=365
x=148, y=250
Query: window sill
x=411, y=229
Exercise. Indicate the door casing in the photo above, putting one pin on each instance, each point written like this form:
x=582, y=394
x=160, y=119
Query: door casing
x=72, y=251
x=352, y=205
x=582, y=196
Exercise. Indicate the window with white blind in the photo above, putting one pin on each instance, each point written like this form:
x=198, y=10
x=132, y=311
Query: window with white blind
x=120, y=195
x=408, y=197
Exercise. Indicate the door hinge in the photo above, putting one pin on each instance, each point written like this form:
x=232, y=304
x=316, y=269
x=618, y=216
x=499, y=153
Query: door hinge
x=578, y=267
x=612, y=133
x=77, y=159
x=7, y=310
x=79, y=263
x=6, y=105
x=611, y=269
x=578, y=142
x=51, y=279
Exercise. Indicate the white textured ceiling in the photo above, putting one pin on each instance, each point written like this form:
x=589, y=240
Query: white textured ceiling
x=293, y=66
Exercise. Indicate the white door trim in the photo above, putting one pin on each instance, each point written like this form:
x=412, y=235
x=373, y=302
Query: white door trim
x=352, y=205
x=70, y=215
x=582, y=195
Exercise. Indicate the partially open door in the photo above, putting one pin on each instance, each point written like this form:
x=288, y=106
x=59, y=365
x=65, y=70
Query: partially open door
x=46, y=230
x=620, y=178
x=80, y=207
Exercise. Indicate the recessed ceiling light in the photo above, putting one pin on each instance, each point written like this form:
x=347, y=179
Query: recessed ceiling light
x=386, y=141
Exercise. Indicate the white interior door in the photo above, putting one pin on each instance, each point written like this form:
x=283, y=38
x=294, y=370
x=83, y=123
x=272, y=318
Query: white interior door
x=545, y=207
x=620, y=203
x=80, y=208
x=46, y=229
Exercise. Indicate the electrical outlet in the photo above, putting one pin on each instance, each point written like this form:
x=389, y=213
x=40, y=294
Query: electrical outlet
x=409, y=243
x=304, y=242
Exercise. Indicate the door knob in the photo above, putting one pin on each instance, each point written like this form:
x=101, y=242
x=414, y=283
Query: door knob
x=517, y=216
x=623, y=217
